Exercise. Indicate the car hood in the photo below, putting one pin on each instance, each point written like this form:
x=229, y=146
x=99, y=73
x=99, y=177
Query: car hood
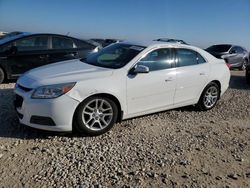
x=63, y=72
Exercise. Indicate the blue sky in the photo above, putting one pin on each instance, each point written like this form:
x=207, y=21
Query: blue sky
x=201, y=23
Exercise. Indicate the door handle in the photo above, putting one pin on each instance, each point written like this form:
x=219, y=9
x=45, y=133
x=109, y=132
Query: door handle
x=202, y=73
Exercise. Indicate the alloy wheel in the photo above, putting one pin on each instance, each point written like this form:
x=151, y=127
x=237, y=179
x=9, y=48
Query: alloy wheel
x=210, y=97
x=97, y=114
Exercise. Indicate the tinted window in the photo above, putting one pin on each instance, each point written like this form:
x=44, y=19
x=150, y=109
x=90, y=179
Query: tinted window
x=219, y=48
x=187, y=57
x=234, y=50
x=32, y=43
x=158, y=60
x=114, y=56
x=62, y=43
x=239, y=50
x=200, y=59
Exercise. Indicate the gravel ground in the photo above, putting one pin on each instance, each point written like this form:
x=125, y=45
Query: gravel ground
x=177, y=148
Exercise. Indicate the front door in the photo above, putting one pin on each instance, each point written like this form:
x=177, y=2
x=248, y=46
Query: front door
x=153, y=90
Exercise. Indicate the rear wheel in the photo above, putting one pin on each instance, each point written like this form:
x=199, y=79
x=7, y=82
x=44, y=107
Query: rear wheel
x=209, y=97
x=1, y=76
x=95, y=116
x=248, y=76
x=244, y=65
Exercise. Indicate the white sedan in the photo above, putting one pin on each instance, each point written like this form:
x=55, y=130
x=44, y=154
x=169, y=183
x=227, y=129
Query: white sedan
x=122, y=81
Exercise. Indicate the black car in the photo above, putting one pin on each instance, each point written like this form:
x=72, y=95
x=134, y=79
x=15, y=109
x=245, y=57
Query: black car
x=24, y=51
x=235, y=56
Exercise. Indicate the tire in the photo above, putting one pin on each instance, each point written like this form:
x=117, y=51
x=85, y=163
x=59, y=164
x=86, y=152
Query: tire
x=209, y=97
x=1, y=76
x=244, y=64
x=95, y=116
x=247, y=77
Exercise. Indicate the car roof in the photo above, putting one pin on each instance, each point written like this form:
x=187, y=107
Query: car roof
x=13, y=37
x=156, y=44
x=27, y=34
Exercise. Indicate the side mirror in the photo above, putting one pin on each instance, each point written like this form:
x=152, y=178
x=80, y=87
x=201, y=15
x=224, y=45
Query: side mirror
x=141, y=69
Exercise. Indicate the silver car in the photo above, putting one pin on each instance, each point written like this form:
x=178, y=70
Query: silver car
x=235, y=56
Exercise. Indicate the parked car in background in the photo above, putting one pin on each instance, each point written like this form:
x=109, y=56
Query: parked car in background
x=171, y=40
x=22, y=52
x=121, y=81
x=235, y=56
x=106, y=42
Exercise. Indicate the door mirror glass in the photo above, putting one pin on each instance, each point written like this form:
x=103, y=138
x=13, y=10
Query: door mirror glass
x=141, y=69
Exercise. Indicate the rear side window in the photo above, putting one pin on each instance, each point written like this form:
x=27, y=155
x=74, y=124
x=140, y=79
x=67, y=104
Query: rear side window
x=62, y=43
x=186, y=57
x=159, y=59
x=32, y=43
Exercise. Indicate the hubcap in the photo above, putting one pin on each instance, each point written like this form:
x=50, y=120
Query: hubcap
x=210, y=97
x=97, y=114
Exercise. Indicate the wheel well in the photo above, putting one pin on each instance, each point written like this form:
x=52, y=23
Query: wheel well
x=218, y=83
x=4, y=73
x=111, y=97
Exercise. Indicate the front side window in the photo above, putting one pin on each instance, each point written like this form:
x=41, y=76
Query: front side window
x=62, y=43
x=32, y=43
x=233, y=50
x=159, y=59
x=186, y=57
x=114, y=56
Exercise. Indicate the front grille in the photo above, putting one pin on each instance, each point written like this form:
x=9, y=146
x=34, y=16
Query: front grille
x=18, y=101
x=26, y=89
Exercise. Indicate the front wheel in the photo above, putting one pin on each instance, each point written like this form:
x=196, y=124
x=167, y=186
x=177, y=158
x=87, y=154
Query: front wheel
x=95, y=116
x=209, y=97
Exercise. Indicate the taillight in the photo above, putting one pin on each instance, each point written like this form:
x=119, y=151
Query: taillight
x=229, y=65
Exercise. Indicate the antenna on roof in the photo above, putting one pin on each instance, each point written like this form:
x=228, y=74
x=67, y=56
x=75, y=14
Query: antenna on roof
x=68, y=34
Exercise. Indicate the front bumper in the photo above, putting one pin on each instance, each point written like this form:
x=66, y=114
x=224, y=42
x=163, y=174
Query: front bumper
x=60, y=110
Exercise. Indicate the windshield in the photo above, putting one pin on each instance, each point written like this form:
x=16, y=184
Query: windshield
x=219, y=48
x=114, y=56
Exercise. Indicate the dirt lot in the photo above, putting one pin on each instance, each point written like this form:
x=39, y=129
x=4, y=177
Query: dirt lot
x=177, y=148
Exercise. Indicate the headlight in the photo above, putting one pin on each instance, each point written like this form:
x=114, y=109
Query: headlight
x=52, y=91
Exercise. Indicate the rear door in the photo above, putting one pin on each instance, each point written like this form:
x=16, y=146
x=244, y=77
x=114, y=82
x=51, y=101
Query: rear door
x=27, y=53
x=62, y=48
x=191, y=75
